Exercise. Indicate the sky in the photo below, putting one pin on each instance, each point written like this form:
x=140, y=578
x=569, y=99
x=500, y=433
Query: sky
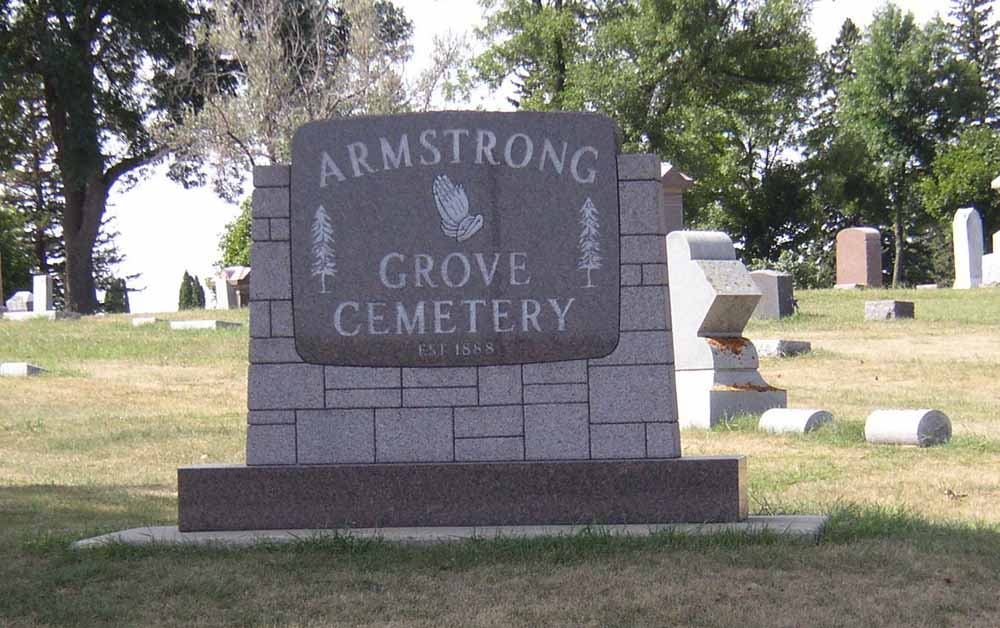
x=166, y=230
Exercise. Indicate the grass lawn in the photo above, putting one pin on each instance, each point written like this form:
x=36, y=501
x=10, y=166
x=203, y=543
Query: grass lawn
x=93, y=446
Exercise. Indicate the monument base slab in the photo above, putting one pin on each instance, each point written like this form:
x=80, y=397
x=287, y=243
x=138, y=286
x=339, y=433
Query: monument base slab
x=239, y=497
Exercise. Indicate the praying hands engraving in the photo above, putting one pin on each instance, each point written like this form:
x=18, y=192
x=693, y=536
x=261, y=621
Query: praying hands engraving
x=453, y=207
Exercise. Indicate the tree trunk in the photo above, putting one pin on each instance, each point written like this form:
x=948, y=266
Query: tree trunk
x=81, y=222
x=899, y=237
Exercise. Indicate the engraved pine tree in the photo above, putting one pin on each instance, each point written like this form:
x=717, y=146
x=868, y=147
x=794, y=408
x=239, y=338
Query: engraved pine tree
x=324, y=260
x=590, y=246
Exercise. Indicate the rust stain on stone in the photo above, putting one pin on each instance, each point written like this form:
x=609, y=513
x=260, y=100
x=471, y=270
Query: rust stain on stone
x=732, y=345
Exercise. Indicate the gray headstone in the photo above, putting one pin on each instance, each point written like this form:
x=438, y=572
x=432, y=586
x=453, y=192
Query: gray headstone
x=42, y=285
x=886, y=310
x=776, y=299
x=781, y=348
x=967, y=235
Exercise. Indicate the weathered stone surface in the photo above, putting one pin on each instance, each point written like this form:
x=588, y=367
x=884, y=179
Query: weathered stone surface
x=285, y=386
x=654, y=274
x=273, y=350
x=923, y=427
x=644, y=308
x=777, y=300
x=489, y=449
x=643, y=249
x=631, y=275
x=967, y=237
x=500, y=385
x=483, y=421
x=927, y=286
x=640, y=347
x=270, y=203
x=280, y=228
x=43, y=293
x=19, y=369
x=203, y=324
x=663, y=440
x=556, y=432
x=642, y=208
x=781, y=348
x=270, y=444
x=362, y=377
x=707, y=397
x=274, y=176
x=364, y=398
x=793, y=420
x=234, y=497
x=638, y=167
x=886, y=310
x=631, y=394
x=555, y=393
x=260, y=230
x=556, y=373
x=281, y=319
x=260, y=319
x=414, y=435
x=429, y=397
x=859, y=257
x=424, y=378
x=271, y=265
x=336, y=436
x=270, y=417
x=462, y=251
x=625, y=440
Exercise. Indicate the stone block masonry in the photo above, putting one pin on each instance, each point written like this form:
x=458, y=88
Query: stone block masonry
x=616, y=407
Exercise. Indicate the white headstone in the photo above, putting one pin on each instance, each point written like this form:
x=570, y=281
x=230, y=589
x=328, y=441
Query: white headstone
x=19, y=369
x=797, y=420
x=907, y=427
x=225, y=293
x=202, y=324
x=42, y=288
x=967, y=233
x=991, y=263
x=715, y=366
x=20, y=301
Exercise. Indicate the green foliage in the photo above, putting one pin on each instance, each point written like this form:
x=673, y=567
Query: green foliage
x=977, y=40
x=199, y=292
x=15, y=253
x=116, y=297
x=961, y=177
x=103, y=66
x=186, y=299
x=234, y=244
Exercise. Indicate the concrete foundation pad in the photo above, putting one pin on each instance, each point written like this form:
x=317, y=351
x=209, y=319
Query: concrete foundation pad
x=804, y=527
x=573, y=492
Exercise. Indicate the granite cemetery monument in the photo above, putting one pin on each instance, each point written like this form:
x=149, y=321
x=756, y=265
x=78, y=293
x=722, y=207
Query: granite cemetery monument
x=456, y=321
x=967, y=237
x=859, y=258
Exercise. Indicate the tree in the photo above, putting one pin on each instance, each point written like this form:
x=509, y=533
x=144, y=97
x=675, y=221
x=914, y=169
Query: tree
x=590, y=246
x=102, y=68
x=186, y=299
x=324, y=260
x=977, y=40
x=198, y=291
x=285, y=63
x=234, y=245
x=715, y=87
x=116, y=298
x=909, y=95
x=15, y=253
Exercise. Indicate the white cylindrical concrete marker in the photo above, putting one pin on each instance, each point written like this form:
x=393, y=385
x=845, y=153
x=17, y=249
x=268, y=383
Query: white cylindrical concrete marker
x=922, y=428
x=798, y=420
